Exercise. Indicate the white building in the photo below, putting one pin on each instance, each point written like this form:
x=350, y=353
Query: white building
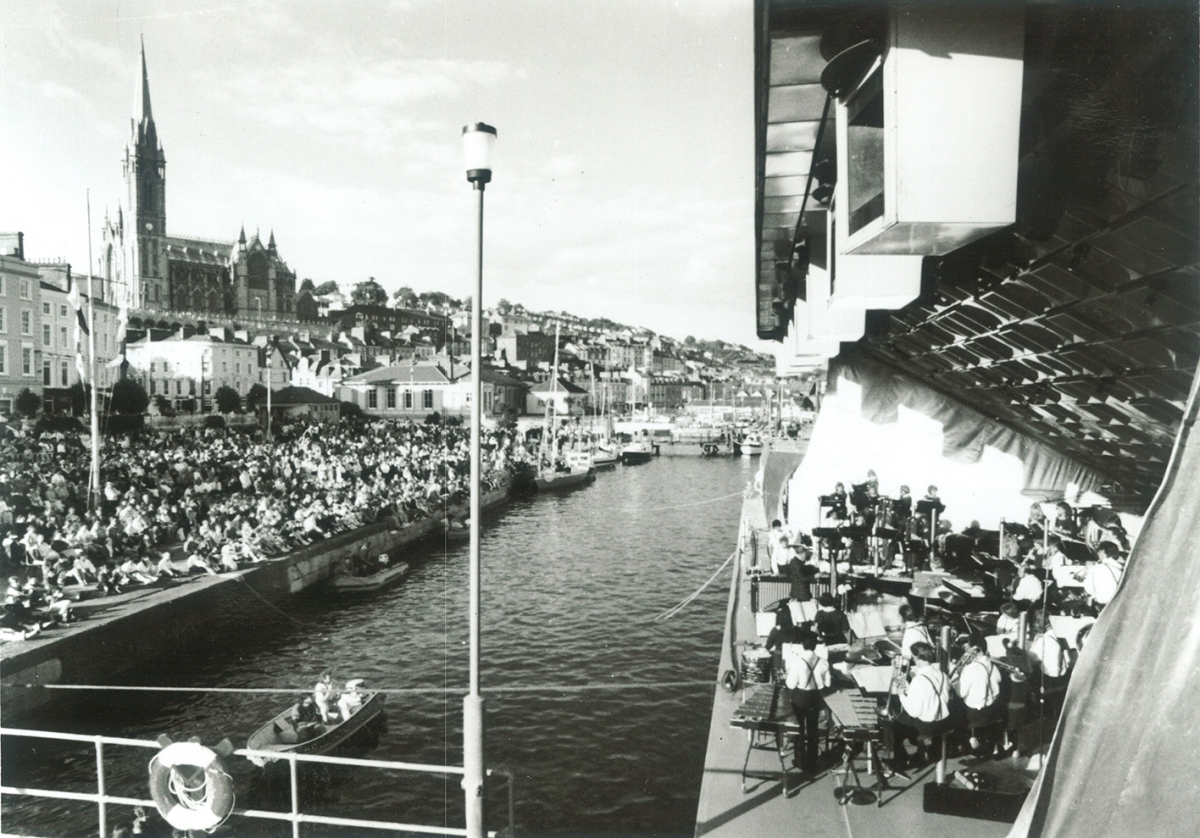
x=196, y=367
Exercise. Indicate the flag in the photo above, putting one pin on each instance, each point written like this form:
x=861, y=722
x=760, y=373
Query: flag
x=122, y=311
x=76, y=303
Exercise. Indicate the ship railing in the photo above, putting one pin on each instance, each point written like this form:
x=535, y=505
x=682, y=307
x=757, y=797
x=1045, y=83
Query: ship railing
x=102, y=799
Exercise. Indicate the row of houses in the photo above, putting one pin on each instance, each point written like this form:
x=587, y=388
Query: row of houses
x=389, y=361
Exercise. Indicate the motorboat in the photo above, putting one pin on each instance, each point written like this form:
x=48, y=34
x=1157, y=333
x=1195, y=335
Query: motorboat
x=553, y=480
x=281, y=735
x=751, y=445
x=348, y=584
x=637, y=452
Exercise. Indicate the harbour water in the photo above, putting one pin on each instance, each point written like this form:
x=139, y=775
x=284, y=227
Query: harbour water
x=571, y=586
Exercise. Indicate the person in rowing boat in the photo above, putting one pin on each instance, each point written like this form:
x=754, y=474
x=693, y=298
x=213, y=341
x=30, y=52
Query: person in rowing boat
x=351, y=698
x=305, y=718
x=323, y=695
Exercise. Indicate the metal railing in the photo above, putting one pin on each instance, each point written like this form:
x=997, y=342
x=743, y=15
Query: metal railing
x=101, y=798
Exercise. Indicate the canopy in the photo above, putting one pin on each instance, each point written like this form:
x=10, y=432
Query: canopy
x=1123, y=760
x=910, y=434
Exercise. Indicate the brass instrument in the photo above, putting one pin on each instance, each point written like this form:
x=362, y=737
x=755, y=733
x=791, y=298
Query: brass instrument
x=968, y=657
x=897, y=686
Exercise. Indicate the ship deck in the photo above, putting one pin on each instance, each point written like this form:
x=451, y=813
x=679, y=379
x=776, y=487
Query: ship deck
x=808, y=807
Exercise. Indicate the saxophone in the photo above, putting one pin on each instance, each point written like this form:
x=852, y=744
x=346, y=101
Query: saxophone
x=969, y=656
x=898, y=684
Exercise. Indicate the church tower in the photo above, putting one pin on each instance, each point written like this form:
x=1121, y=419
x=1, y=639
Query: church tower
x=145, y=170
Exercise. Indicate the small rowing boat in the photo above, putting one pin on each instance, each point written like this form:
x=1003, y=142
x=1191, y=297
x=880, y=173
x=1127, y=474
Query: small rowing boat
x=280, y=735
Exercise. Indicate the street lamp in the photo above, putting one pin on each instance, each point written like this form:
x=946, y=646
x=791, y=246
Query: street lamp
x=478, y=140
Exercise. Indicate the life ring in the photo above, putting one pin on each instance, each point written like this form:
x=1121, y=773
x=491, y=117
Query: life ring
x=190, y=787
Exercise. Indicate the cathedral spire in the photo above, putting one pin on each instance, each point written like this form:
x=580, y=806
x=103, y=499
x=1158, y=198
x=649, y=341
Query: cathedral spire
x=142, y=112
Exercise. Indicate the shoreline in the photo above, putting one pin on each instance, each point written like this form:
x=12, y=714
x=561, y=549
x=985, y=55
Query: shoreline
x=126, y=631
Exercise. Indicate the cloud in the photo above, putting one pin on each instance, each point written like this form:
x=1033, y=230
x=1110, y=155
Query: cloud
x=563, y=165
x=366, y=102
x=58, y=30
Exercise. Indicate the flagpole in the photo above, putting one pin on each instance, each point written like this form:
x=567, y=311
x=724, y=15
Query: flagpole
x=94, y=481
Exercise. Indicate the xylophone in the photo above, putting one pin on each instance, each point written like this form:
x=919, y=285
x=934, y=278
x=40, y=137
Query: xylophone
x=856, y=718
x=766, y=715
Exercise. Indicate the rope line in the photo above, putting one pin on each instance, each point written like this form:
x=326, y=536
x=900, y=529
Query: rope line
x=672, y=611
x=736, y=494
x=272, y=605
x=512, y=688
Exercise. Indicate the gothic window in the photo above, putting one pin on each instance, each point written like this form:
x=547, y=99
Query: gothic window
x=257, y=272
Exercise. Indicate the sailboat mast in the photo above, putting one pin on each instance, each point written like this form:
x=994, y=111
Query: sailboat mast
x=94, y=478
x=553, y=404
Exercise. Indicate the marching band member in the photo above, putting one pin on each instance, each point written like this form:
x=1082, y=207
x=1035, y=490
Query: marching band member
x=978, y=685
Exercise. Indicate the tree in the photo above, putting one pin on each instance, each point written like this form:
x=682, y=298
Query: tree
x=80, y=395
x=369, y=293
x=467, y=303
x=227, y=399
x=504, y=306
x=306, y=284
x=689, y=341
x=129, y=397
x=405, y=297
x=28, y=403
x=164, y=406
x=433, y=298
x=306, y=307
x=256, y=396
x=330, y=287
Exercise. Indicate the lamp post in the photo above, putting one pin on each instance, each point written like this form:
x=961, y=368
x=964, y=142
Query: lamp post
x=478, y=140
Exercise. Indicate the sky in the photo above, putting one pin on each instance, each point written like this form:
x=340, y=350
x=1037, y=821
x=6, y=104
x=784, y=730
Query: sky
x=623, y=182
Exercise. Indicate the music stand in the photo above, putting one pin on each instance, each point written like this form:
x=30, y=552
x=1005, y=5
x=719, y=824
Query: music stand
x=933, y=507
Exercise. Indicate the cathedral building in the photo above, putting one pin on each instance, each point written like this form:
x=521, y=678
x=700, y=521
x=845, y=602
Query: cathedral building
x=183, y=276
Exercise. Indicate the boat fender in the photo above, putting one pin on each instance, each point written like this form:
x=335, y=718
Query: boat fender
x=190, y=787
x=730, y=681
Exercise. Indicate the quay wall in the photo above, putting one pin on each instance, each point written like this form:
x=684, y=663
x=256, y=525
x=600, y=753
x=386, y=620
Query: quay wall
x=159, y=625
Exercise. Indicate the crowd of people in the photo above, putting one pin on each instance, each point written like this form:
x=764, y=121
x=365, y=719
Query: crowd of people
x=999, y=670
x=207, y=501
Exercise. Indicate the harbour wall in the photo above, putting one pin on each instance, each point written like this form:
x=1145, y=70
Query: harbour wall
x=159, y=625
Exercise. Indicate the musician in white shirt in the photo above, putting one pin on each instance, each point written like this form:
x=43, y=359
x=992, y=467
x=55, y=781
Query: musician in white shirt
x=978, y=685
x=807, y=679
x=1104, y=576
x=925, y=708
x=1029, y=589
x=777, y=547
x=1049, y=655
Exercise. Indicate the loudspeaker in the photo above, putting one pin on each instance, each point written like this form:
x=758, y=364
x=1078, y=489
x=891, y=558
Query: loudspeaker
x=967, y=803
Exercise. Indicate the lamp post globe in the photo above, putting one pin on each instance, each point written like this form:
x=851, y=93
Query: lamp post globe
x=478, y=140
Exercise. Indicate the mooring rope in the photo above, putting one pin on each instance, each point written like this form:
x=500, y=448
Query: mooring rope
x=510, y=688
x=739, y=493
x=272, y=605
x=675, y=609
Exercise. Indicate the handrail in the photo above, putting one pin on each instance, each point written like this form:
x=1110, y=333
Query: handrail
x=101, y=799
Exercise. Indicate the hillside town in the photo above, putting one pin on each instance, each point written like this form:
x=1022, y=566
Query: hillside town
x=403, y=356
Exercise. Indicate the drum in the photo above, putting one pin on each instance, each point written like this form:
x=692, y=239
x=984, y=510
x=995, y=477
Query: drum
x=756, y=666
